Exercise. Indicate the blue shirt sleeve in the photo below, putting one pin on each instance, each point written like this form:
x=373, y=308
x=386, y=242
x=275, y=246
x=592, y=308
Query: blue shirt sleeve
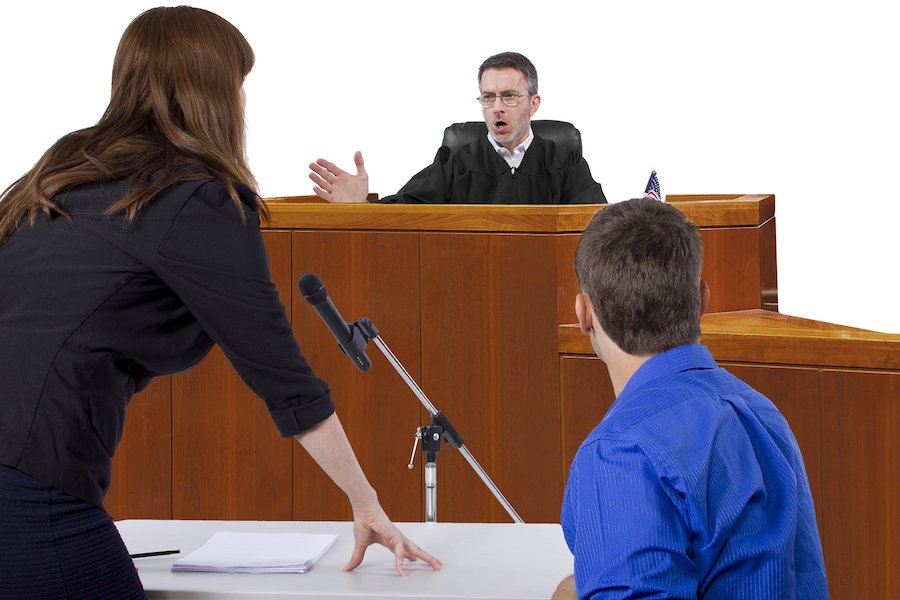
x=624, y=520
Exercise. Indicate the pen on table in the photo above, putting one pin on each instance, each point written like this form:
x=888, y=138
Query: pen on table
x=157, y=553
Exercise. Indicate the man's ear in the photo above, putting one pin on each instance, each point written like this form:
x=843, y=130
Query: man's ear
x=583, y=312
x=535, y=103
x=704, y=297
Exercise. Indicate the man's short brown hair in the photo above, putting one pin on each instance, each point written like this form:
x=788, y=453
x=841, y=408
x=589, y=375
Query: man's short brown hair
x=512, y=60
x=639, y=262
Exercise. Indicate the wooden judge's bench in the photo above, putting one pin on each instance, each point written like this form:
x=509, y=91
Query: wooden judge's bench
x=477, y=302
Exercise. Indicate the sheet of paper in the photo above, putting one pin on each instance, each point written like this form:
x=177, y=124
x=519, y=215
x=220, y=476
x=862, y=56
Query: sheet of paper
x=233, y=552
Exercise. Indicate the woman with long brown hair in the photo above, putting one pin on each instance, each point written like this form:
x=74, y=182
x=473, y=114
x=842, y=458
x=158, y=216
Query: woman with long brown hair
x=127, y=251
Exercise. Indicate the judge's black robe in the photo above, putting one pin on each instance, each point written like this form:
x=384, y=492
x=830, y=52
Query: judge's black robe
x=477, y=174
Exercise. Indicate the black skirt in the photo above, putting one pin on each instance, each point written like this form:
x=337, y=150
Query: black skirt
x=54, y=546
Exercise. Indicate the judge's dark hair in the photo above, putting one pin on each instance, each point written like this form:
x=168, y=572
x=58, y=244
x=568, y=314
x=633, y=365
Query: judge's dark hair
x=512, y=60
x=175, y=113
x=639, y=262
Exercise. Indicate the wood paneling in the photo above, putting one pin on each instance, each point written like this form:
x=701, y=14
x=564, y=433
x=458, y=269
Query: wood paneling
x=725, y=210
x=731, y=267
x=768, y=274
x=142, y=468
x=229, y=461
x=490, y=363
x=473, y=316
x=861, y=448
x=374, y=275
x=728, y=210
x=586, y=393
x=412, y=217
x=762, y=336
x=567, y=287
x=469, y=298
x=310, y=198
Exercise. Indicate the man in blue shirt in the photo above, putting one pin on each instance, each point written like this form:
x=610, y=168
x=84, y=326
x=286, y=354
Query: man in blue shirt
x=692, y=485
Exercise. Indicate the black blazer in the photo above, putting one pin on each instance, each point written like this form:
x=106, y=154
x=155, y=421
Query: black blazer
x=92, y=310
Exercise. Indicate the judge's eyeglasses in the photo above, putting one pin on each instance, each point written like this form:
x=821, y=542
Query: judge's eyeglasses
x=508, y=99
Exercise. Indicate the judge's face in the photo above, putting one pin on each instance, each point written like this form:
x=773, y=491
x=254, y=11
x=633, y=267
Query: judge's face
x=508, y=124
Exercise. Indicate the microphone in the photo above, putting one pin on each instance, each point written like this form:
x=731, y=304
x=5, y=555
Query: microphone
x=350, y=339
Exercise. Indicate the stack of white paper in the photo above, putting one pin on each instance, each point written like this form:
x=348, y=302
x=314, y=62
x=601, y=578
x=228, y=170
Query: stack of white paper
x=232, y=552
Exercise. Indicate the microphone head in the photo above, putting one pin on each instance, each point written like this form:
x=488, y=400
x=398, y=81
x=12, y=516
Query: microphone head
x=312, y=289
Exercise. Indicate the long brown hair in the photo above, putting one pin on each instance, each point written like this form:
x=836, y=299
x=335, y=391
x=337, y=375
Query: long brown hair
x=175, y=114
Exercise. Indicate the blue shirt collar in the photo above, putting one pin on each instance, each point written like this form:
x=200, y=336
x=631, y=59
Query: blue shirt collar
x=670, y=362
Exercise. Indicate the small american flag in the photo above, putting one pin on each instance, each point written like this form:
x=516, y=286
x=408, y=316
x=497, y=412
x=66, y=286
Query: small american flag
x=652, y=190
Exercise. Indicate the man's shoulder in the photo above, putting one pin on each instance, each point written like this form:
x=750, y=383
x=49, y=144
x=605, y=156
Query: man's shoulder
x=669, y=425
x=551, y=157
x=478, y=146
x=553, y=148
x=672, y=401
x=477, y=155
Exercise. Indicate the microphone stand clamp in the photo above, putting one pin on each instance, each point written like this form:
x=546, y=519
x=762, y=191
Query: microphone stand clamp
x=430, y=435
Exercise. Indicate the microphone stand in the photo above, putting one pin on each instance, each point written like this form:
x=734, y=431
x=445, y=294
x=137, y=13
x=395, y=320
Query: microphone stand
x=431, y=435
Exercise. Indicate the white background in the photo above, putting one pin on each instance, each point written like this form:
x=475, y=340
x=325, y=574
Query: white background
x=798, y=99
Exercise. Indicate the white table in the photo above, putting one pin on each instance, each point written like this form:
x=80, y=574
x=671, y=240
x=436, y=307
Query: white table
x=481, y=561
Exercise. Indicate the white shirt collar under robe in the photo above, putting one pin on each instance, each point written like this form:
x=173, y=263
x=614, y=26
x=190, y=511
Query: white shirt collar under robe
x=513, y=159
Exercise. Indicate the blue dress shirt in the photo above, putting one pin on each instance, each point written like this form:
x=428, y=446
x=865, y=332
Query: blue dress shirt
x=692, y=486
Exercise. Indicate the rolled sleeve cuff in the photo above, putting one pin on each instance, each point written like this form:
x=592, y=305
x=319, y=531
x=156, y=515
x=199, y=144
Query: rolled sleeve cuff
x=291, y=421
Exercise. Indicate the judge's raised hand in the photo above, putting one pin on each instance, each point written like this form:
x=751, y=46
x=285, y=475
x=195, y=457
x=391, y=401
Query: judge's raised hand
x=372, y=526
x=337, y=185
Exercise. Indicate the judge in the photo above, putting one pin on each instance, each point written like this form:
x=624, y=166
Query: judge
x=510, y=165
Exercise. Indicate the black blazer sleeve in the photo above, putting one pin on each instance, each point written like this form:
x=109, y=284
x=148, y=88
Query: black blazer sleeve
x=217, y=264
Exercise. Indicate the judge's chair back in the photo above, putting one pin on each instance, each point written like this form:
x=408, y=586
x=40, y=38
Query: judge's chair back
x=561, y=132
